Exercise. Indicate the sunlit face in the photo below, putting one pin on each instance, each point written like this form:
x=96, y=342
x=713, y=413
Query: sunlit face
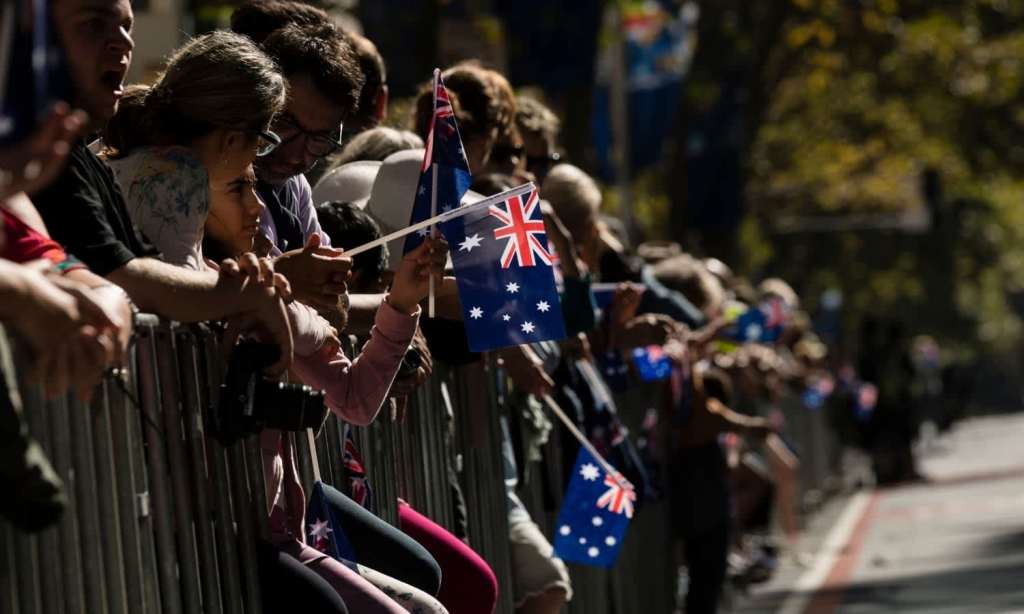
x=235, y=211
x=308, y=116
x=96, y=36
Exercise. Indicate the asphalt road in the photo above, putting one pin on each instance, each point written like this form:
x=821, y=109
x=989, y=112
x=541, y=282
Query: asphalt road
x=952, y=544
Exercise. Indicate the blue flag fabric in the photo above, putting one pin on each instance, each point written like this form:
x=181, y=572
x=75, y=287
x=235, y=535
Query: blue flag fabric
x=505, y=275
x=652, y=364
x=763, y=323
x=324, y=532
x=443, y=149
x=595, y=514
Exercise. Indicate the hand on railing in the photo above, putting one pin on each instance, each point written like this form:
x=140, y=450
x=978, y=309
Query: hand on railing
x=65, y=327
x=266, y=293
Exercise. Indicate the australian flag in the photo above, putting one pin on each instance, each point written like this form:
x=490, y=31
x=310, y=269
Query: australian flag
x=652, y=364
x=323, y=531
x=763, y=323
x=595, y=514
x=505, y=275
x=444, y=159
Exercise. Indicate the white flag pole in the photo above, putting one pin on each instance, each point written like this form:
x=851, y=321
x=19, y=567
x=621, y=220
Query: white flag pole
x=433, y=190
x=441, y=218
x=569, y=424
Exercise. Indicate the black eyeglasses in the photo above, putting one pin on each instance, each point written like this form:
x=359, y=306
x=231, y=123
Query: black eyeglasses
x=268, y=142
x=317, y=144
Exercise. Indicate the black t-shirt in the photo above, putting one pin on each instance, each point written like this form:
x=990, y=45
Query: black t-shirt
x=85, y=212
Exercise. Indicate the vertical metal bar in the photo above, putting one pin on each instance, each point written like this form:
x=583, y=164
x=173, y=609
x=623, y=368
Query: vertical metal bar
x=50, y=585
x=27, y=562
x=106, y=494
x=8, y=571
x=300, y=444
x=227, y=545
x=141, y=594
x=158, y=469
x=167, y=369
x=90, y=531
x=243, y=514
x=71, y=561
x=194, y=435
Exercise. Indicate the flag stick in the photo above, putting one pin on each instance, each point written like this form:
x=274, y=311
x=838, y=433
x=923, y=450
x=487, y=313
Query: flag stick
x=433, y=186
x=447, y=216
x=569, y=424
x=433, y=231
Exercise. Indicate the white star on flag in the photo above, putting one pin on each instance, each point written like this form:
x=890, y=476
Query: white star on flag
x=423, y=232
x=446, y=208
x=590, y=472
x=506, y=317
x=319, y=529
x=543, y=306
x=476, y=313
x=423, y=190
x=528, y=327
x=470, y=242
x=512, y=287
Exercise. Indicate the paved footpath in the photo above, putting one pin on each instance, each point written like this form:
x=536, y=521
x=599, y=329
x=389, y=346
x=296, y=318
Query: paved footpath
x=953, y=544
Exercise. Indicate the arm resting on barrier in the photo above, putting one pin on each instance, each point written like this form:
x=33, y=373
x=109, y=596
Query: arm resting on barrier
x=356, y=389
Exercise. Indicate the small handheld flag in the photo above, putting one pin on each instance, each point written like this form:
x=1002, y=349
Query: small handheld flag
x=444, y=175
x=323, y=531
x=595, y=514
x=763, y=323
x=505, y=275
x=652, y=364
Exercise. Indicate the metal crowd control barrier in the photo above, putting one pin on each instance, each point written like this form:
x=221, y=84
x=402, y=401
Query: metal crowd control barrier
x=164, y=519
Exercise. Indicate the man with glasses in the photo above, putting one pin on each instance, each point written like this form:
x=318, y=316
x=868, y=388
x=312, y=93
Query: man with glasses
x=324, y=85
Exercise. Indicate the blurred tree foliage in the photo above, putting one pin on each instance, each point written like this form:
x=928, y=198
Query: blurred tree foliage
x=848, y=106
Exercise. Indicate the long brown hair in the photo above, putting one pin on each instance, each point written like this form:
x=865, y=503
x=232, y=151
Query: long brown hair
x=216, y=81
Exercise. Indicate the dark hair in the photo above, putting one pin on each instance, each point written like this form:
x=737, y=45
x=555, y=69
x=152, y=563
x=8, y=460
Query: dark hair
x=475, y=101
x=216, y=81
x=533, y=116
x=348, y=226
x=492, y=183
x=324, y=54
x=375, y=75
x=258, y=19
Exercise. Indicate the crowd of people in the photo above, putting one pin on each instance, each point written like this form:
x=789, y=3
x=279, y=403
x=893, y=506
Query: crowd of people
x=228, y=191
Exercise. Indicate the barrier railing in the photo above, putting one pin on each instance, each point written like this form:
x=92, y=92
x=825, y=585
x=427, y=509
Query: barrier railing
x=164, y=519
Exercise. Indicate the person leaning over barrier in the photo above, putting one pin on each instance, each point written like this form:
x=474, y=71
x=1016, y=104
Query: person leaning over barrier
x=324, y=85
x=85, y=211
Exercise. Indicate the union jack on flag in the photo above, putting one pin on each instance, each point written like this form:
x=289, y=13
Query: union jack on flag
x=445, y=160
x=619, y=497
x=524, y=233
x=505, y=275
x=595, y=514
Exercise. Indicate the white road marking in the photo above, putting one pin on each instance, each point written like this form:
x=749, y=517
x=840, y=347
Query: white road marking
x=836, y=540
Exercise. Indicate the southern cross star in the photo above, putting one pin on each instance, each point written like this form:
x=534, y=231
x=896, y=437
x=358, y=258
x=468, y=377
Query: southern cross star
x=423, y=232
x=506, y=317
x=319, y=528
x=512, y=287
x=470, y=242
x=528, y=327
x=543, y=306
x=476, y=313
x=590, y=472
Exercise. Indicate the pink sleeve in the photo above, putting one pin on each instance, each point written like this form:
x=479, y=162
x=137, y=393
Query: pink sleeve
x=309, y=329
x=356, y=389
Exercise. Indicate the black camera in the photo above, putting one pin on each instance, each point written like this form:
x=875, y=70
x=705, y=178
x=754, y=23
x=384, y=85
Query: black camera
x=249, y=402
